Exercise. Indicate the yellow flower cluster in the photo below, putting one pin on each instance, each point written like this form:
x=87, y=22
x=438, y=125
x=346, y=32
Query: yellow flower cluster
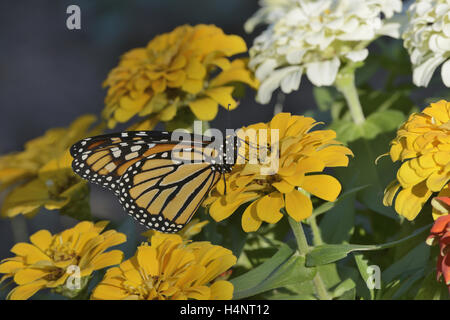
x=172, y=269
x=42, y=173
x=302, y=156
x=48, y=260
x=176, y=70
x=423, y=146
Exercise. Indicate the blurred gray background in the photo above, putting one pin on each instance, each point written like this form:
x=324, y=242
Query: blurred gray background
x=50, y=75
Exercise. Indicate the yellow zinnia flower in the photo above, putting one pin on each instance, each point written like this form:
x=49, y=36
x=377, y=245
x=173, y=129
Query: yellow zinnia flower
x=50, y=259
x=174, y=71
x=169, y=268
x=303, y=154
x=423, y=146
x=42, y=174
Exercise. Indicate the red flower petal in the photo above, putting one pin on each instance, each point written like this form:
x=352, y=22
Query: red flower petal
x=440, y=224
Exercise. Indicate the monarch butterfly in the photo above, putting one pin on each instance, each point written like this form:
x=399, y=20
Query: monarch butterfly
x=160, y=180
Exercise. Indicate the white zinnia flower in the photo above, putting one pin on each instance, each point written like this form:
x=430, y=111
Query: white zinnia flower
x=315, y=36
x=427, y=39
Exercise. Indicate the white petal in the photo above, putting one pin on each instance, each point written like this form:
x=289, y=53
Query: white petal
x=323, y=73
x=291, y=81
x=438, y=43
x=295, y=56
x=359, y=55
x=423, y=73
x=446, y=29
x=390, y=29
x=445, y=73
x=265, y=68
x=361, y=32
x=269, y=85
x=256, y=19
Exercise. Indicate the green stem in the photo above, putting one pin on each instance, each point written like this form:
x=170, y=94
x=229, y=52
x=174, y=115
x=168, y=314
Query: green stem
x=303, y=248
x=317, y=236
x=299, y=234
x=345, y=83
x=321, y=290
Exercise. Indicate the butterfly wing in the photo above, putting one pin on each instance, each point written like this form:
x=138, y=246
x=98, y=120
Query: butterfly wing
x=163, y=192
x=104, y=159
x=160, y=182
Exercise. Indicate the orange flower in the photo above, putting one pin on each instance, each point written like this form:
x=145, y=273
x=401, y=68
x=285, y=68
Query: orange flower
x=440, y=235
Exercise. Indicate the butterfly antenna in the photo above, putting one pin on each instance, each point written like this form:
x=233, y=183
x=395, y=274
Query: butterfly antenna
x=225, y=185
x=243, y=157
x=252, y=145
x=228, y=116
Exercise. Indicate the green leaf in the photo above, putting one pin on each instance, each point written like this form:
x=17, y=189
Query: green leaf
x=363, y=265
x=337, y=224
x=432, y=289
x=416, y=258
x=345, y=290
x=364, y=170
x=375, y=124
x=284, y=268
x=329, y=253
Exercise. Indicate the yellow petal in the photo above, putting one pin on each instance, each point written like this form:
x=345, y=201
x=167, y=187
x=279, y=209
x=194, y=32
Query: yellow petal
x=123, y=115
x=30, y=253
x=25, y=199
x=283, y=186
x=322, y=186
x=11, y=266
x=222, y=63
x=11, y=175
x=298, y=206
x=159, y=85
x=221, y=290
x=146, y=257
x=222, y=95
x=28, y=275
x=237, y=72
x=130, y=104
x=436, y=181
x=199, y=293
x=41, y=239
x=438, y=209
x=192, y=86
x=250, y=220
x=407, y=176
x=268, y=207
x=280, y=121
x=106, y=259
x=168, y=113
x=390, y=192
x=410, y=201
x=438, y=110
x=204, y=109
x=107, y=292
x=220, y=209
x=195, y=70
x=25, y=291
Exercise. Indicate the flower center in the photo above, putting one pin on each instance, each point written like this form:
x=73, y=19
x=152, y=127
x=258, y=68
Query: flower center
x=149, y=289
x=62, y=251
x=55, y=274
